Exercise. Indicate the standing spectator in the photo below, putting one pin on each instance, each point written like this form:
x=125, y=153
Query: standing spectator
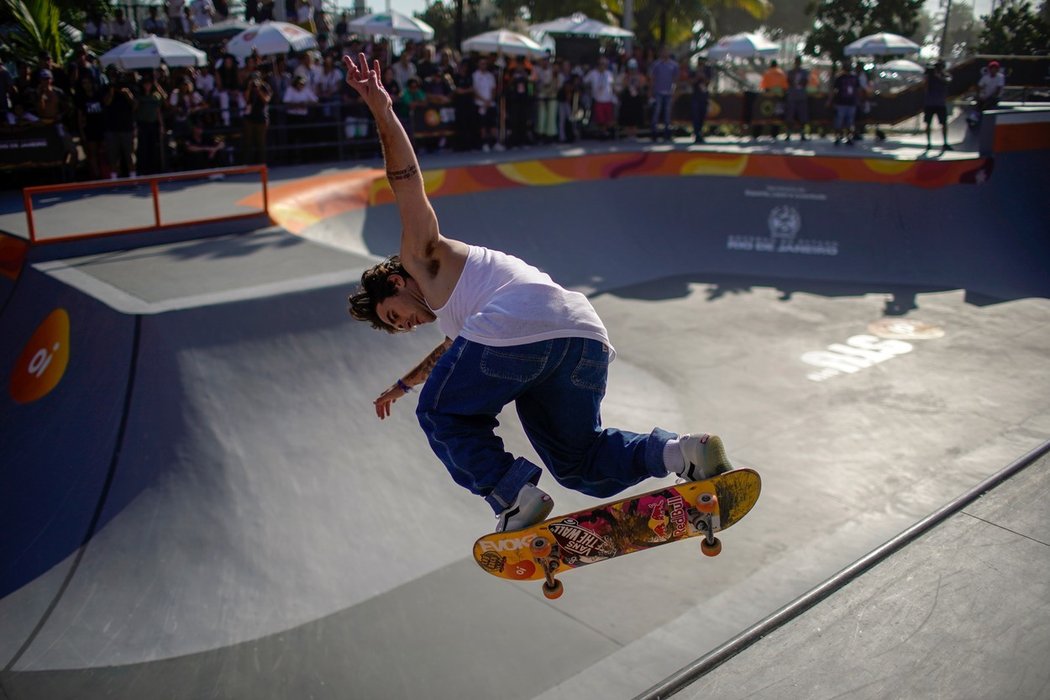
x=465, y=136
x=413, y=100
x=935, y=102
x=96, y=29
x=568, y=104
x=329, y=88
x=865, y=91
x=121, y=29
x=298, y=100
x=700, y=98
x=662, y=76
x=279, y=80
x=92, y=124
x=309, y=70
x=205, y=83
x=796, y=107
x=52, y=106
x=202, y=14
x=228, y=88
x=118, y=103
x=176, y=18
x=149, y=124
x=634, y=89
x=484, y=83
x=990, y=87
x=600, y=81
x=153, y=24
x=518, y=93
x=186, y=104
x=546, y=86
x=774, y=80
x=844, y=95
x=257, y=96
x=404, y=68
x=7, y=88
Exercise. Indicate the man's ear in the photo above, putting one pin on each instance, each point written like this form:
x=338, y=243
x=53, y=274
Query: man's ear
x=396, y=280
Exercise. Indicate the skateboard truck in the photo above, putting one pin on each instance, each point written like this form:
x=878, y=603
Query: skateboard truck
x=706, y=521
x=545, y=554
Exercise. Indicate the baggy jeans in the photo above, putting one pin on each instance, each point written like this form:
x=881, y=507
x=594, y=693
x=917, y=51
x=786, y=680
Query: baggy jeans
x=557, y=388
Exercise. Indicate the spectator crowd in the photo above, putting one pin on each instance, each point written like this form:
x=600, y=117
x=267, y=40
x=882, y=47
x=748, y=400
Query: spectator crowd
x=289, y=108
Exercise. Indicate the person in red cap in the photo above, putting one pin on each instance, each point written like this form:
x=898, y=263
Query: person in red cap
x=990, y=87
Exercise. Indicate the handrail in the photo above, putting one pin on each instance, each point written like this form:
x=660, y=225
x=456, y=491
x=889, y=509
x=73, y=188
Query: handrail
x=154, y=182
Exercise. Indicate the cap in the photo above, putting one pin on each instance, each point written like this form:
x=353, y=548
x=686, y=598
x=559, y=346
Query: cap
x=993, y=64
x=45, y=73
x=632, y=63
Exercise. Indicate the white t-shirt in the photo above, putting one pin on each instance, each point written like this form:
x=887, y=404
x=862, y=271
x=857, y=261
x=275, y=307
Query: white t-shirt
x=501, y=300
x=485, y=86
x=601, y=84
x=989, y=86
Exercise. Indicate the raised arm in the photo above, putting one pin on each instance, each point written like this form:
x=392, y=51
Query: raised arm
x=419, y=234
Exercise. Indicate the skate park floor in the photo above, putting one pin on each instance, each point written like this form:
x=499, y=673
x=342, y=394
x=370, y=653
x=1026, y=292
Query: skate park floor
x=336, y=597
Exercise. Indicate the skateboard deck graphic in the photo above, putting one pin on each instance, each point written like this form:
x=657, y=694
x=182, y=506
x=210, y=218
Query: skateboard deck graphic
x=668, y=514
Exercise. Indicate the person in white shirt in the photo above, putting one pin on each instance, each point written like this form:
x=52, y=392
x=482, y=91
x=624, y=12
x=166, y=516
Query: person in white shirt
x=298, y=99
x=176, y=17
x=601, y=82
x=202, y=13
x=990, y=87
x=484, y=83
x=512, y=335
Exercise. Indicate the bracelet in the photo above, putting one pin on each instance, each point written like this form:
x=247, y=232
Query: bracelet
x=403, y=387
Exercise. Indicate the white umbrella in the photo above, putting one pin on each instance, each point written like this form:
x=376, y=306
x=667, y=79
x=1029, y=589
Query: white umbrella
x=881, y=44
x=743, y=45
x=393, y=24
x=270, y=38
x=902, y=65
x=579, y=24
x=503, y=41
x=150, y=51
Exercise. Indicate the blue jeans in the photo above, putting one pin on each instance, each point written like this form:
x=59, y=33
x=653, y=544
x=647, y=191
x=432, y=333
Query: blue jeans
x=557, y=387
x=662, y=108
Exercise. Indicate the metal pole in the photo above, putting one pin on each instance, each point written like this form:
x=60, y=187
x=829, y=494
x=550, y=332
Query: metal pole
x=944, y=32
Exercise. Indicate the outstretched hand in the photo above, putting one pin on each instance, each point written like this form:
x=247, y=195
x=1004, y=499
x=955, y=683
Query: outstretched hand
x=386, y=400
x=367, y=82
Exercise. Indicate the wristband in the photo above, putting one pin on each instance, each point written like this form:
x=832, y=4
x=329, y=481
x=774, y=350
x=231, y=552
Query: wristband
x=403, y=387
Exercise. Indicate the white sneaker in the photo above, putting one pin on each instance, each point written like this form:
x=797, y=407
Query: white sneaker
x=704, y=457
x=530, y=507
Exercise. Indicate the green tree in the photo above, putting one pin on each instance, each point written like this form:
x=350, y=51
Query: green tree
x=38, y=30
x=839, y=22
x=1014, y=28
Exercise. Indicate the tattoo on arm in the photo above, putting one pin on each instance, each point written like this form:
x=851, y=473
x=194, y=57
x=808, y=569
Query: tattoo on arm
x=402, y=174
x=420, y=372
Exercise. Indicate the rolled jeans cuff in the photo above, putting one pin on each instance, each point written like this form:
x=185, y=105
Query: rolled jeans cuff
x=521, y=472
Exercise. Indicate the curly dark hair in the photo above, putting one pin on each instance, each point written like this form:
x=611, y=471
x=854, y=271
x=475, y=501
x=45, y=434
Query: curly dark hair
x=375, y=287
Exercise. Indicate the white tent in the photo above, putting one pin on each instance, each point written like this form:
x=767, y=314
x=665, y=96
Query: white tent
x=503, y=41
x=393, y=24
x=579, y=24
x=881, y=44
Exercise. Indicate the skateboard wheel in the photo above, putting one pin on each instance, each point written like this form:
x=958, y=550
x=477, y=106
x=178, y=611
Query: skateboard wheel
x=707, y=503
x=553, y=590
x=711, y=549
x=540, y=547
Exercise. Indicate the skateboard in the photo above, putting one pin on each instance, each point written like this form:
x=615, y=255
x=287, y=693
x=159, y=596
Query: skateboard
x=668, y=514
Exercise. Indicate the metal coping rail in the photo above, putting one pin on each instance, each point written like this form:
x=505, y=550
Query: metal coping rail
x=715, y=658
x=153, y=181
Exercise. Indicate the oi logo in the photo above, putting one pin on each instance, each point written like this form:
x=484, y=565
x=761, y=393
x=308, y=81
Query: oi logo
x=43, y=360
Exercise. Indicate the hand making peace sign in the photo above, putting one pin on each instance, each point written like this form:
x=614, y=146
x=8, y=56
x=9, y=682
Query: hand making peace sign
x=367, y=82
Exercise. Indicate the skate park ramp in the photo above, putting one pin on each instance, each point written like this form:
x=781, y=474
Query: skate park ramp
x=200, y=502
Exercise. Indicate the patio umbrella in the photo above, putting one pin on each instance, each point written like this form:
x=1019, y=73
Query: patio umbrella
x=881, y=44
x=743, y=45
x=270, y=38
x=503, y=41
x=226, y=29
x=150, y=51
x=392, y=24
x=579, y=24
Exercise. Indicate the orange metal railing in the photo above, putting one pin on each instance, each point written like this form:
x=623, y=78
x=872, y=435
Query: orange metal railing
x=154, y=182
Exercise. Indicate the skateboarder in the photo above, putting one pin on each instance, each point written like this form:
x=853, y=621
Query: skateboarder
x=512, y=335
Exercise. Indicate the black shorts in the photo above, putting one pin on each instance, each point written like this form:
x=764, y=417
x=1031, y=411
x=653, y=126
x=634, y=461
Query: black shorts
x=941, y=112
